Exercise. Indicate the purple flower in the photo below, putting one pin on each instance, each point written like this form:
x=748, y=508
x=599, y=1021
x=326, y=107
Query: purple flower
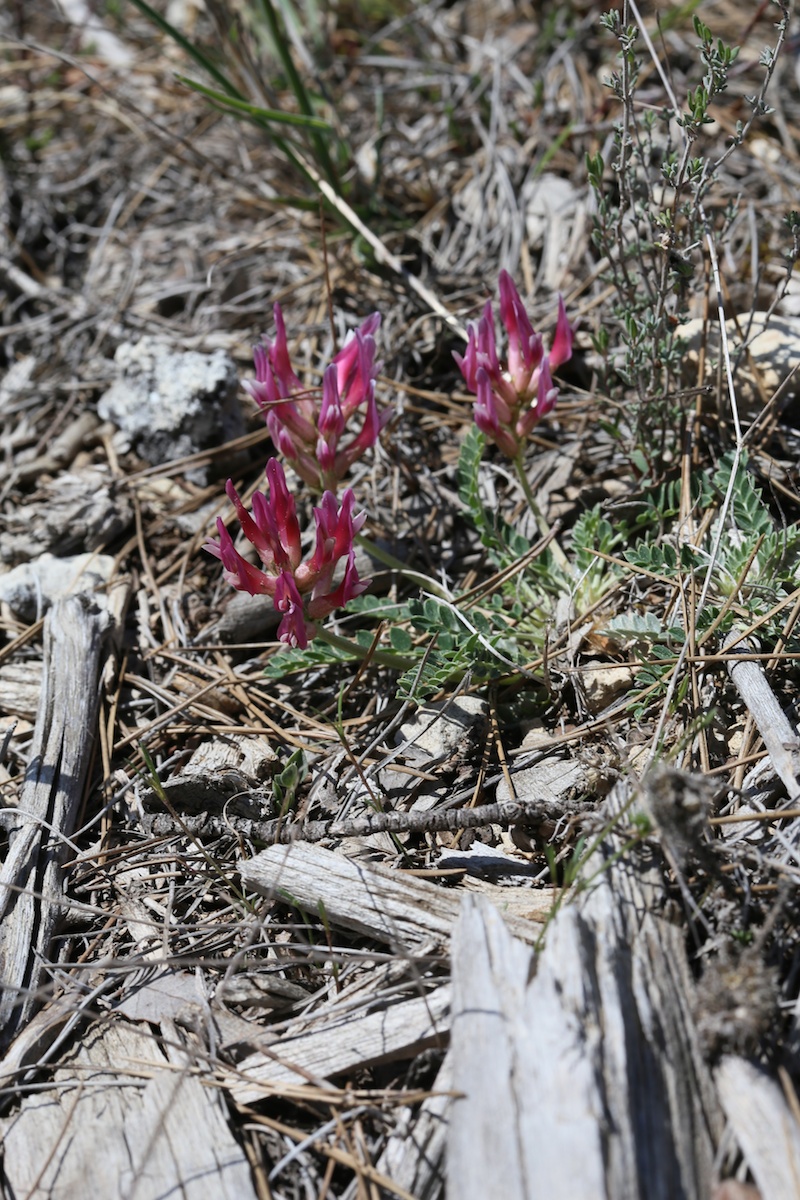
x=512, y=399
x=308, y=431
x=303, y=592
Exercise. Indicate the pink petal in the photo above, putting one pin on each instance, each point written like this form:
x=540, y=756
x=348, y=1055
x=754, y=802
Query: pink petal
x=321, y=605
x=562, y=339
x=547, y=393
x=517, y=326
x=281, y=437
x=279, y=358
x=238, y=572
x=292, y=629
x=282, y=508
x=331, y=420
x=348, y=361
x=468, y=363
x=255, y=533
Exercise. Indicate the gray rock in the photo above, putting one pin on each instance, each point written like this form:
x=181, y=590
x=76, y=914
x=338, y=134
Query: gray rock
x=31, y=588
x=173, y=403
x=228, y=773
x=445, y=728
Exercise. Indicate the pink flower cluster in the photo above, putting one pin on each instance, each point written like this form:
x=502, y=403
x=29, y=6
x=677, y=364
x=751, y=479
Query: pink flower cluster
x=303, y=591
x=307, y=430
x=307, y=433
x=308, y=425
x=503, y=408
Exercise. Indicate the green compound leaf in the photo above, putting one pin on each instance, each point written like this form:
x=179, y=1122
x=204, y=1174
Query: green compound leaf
x=593, y=532
x=289, y=661
x=750, y=513
x=646, y=628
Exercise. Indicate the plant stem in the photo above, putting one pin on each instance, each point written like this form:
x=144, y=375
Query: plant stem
x=539, y=517
x=385, y=658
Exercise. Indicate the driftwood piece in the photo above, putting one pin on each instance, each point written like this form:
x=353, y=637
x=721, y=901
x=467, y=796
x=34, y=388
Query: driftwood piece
x=780, y=739
x=764, y=1125
x=31, y=877
x=349, y=1042
x=375, y=901
x=585, y=1080
x=122, y=1120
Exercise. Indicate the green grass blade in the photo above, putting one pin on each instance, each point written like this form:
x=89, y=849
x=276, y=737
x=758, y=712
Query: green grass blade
x=300, y=91
x=199, y=57
x=254, y=110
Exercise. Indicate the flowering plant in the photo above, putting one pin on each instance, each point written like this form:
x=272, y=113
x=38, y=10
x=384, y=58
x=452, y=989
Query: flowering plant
x=303, y=591
x=308, y=433
x=307, y=427
x=503, y=408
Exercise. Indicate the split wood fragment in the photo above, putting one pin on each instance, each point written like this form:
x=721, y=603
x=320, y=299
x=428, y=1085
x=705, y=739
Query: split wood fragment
x=597, y=1050
x=140, y=1125
x=399, y=1031
x=371, y=900
x=764, y=1126
x=31, y=879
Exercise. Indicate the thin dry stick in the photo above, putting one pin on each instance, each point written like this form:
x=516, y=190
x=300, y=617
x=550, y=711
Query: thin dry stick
x=277, y=832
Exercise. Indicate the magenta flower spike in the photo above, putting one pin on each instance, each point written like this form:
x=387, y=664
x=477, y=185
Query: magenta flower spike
x=308, y=431
x=512, y=399
x=303, y=592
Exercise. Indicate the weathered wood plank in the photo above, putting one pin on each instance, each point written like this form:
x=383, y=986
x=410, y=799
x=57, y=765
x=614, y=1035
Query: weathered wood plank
x=31, y=877
x=764, y=1125
x=345, y=1043
x=371, y=900
x=121, y=1120
x=596, y=1053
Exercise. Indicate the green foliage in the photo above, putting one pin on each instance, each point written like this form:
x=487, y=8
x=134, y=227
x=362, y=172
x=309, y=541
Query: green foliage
x=644, y=629
x=481, y=642
x=477, y=643
x=650, y=234
x=222, y=66
x=286, y=784
x=746, y=567
x=593, y=532
x=290, y=661
x=756, y=562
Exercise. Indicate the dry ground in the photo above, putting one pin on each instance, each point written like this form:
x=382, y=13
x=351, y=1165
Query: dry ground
x=131, y=208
